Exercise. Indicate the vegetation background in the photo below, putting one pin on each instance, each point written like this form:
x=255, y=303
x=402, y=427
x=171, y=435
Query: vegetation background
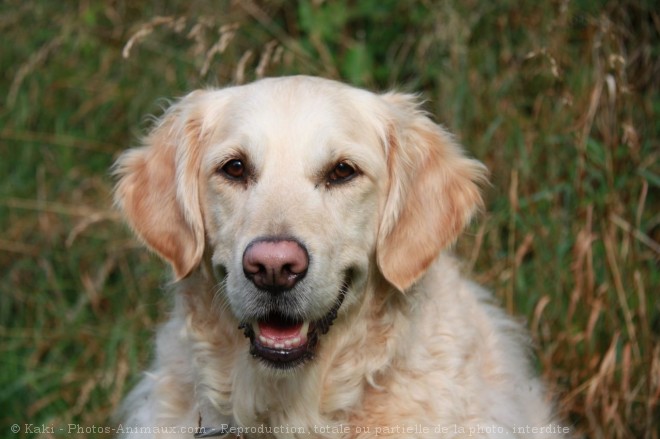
x=559, y=98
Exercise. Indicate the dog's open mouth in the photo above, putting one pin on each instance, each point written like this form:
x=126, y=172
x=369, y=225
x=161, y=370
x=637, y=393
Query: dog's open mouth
x=283, y=342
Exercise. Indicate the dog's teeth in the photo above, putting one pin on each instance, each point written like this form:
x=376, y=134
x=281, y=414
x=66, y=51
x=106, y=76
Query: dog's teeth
x=304, y=330
x=288, y=343
x=266, y=341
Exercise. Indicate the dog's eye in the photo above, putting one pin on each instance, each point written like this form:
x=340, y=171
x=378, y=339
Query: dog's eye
x=341, y=173
x=234, y=169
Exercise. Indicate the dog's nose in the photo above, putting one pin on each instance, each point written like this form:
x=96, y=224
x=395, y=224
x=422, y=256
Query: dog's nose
x=275, y=265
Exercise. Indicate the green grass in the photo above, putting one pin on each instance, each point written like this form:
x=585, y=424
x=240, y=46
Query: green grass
x=559, y=100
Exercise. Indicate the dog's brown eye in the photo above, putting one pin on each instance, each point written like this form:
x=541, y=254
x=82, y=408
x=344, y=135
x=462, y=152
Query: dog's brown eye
x=234, y=169
x=341, y=173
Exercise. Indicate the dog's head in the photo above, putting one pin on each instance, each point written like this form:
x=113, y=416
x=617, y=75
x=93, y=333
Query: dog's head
x=296, y=190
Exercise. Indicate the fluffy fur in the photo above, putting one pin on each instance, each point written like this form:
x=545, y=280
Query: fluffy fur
x=416, y=349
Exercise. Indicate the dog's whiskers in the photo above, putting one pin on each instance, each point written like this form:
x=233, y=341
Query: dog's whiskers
x=219, y=300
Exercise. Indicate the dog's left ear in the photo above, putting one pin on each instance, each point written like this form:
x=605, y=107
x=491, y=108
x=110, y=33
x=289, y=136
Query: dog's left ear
x=433, y=192
x=158, y=187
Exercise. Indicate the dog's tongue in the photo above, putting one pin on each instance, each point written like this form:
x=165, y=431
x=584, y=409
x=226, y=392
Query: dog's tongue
x=279, y=330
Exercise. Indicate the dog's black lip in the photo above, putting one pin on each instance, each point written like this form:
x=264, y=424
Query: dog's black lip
x=290, y=358
x=284, y=358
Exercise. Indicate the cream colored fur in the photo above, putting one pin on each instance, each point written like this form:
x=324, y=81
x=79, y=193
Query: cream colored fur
x=416, y=351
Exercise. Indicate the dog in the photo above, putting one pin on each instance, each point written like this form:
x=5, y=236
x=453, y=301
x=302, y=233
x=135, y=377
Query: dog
x=307, y=224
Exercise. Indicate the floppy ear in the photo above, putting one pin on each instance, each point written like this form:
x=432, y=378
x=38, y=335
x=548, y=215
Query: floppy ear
x=433, y=192
x=158, y=187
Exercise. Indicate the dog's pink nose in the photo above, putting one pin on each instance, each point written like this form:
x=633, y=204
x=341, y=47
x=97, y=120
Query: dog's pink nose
x=275, y=265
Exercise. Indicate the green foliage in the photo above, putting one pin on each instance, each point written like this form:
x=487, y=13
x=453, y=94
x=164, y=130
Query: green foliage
x=558, y=99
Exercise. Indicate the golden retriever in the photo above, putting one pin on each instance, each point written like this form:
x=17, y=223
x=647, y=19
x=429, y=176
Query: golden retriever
x=306, y=221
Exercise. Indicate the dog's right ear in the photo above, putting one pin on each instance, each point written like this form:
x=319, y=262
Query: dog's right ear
x=158, y=187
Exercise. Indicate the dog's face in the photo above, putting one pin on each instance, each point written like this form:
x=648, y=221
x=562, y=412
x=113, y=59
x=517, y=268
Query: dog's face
x=291, y=208
x=294, y=191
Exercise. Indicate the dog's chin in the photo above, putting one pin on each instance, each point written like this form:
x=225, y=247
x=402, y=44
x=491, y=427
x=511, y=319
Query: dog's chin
x=284, y=342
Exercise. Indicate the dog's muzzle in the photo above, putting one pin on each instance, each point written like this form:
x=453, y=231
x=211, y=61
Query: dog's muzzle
x=275, y=265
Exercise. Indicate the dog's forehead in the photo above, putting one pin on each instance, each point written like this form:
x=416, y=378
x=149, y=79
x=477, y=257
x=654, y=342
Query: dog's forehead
x=300, y=111
x=276, y=108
